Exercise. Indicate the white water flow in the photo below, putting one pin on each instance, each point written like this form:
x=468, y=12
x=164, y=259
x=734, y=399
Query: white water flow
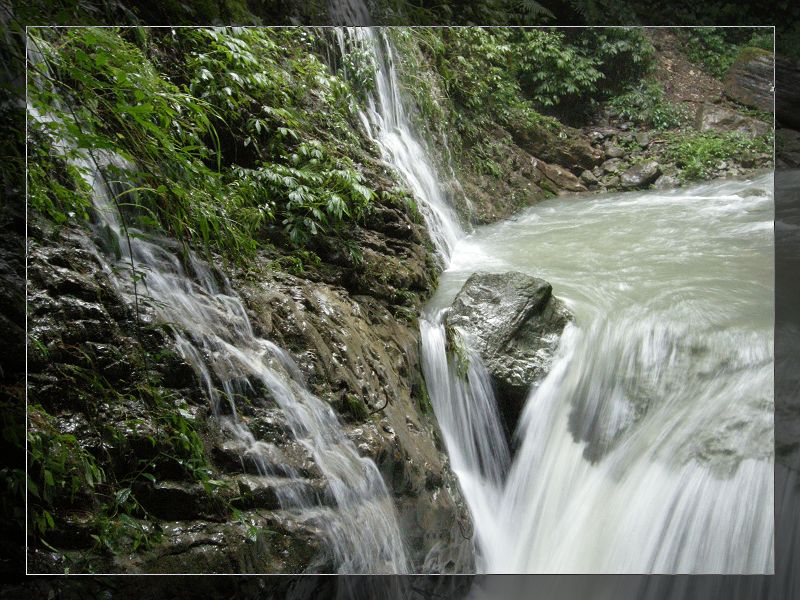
x=649, y=446
x=386, y=121
x=213, y=333
x=465, y=407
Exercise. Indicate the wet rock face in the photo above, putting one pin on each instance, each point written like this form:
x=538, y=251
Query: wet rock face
x=514, y=322
x=749, y=80
x=354, y=337
x=357, y=355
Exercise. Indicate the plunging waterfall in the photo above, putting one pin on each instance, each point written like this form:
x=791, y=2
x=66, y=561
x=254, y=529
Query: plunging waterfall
x=648, y=448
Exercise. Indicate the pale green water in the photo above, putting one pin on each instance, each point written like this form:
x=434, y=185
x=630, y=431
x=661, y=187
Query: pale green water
x=703, y=253
x=649, y=447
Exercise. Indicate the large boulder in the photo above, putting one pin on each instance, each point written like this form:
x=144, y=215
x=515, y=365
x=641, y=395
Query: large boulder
x=514, y=323
x=712, y=117
x=559, y=177
x=750, y=79
x=640, y=175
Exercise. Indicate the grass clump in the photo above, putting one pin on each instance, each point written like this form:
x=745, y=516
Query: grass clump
x=699, y=154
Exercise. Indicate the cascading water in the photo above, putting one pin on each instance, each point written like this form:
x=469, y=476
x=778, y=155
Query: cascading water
x=648, y=448
x=214, y=335
x=465, y=407
x=386, y=121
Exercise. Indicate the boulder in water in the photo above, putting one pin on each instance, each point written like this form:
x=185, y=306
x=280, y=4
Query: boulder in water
x=514, y=323
x=666, y=182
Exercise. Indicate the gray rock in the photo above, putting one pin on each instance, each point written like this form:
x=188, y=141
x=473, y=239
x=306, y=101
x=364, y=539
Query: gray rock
x=612, y=165
x=666, y=182
x=749, y=80
x=642, y=138
x=787, y=148
x=596, y=137
x=588, y=178
x=787, y=71
x=640, y=174
x=560, y=177
x=614, y=151
x=711, y=117
x=514, y=323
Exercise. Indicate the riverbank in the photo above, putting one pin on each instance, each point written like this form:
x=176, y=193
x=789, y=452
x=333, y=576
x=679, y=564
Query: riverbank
x=675, y=125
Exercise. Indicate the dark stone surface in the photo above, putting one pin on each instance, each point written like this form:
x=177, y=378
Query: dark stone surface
x=749, y=80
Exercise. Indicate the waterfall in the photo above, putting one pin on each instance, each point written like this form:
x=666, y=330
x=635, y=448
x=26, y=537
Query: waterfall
x=214, y=335
x=648, y=446
x=386, y=121
x=464, y=404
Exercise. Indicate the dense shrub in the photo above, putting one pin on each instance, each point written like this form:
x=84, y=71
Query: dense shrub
x=225, y=131
x=645, y=105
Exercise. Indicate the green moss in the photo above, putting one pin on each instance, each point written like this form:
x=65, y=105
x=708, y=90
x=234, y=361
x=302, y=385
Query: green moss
x=457, y=351
x=355, y=407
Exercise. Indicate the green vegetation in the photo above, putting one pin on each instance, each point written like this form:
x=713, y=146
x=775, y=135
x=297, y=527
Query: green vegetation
x=716, y=48
x=58, y=470
x=230, y=138
x=517, y=73
x=699, y=153
x=468, y=83
x=66, y=479
x=645, y=105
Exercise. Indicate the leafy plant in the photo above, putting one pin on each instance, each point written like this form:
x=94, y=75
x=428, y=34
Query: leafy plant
x=646, y=105
x=58, y=470
x=699, y=154
x=211, y=143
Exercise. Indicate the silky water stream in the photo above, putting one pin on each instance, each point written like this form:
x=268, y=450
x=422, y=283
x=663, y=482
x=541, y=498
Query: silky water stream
x=649, y=446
